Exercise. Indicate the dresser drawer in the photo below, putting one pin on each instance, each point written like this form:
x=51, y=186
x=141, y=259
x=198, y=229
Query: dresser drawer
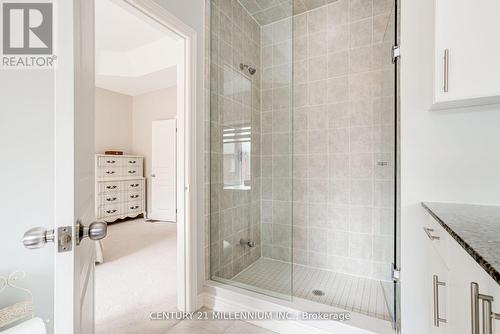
x=132, y=161
x=133, y=185
x=107, y=172
x=134, y=196
x=112, y=198
x=108, y=187
x=135, y=206
x=109, y=161
x=132, y=171
x=110, y=210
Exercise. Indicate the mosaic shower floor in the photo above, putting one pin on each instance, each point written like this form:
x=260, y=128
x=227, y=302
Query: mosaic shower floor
x=351, y=293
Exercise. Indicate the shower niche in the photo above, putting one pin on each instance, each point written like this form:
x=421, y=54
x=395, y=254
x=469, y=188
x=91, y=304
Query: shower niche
x=303, y=131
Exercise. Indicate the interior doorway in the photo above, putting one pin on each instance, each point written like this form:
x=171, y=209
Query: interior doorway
x=136, y=111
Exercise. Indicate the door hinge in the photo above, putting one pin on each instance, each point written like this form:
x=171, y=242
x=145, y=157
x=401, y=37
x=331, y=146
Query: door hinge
x=395, y=273
x=396, y=53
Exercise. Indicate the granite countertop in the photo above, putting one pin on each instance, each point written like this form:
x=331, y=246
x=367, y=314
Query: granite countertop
x=476, y=228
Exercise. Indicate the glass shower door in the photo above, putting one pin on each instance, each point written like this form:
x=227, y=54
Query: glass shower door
x=250, y=147
x=344, y=157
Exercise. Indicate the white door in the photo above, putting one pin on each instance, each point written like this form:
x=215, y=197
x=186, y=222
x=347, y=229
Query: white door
x=163, y=170
x=46, y=140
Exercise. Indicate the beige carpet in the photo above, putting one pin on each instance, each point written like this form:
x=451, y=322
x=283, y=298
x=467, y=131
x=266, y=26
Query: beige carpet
x=138, y=276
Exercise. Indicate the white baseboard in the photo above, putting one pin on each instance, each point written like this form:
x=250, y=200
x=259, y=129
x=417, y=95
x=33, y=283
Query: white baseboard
x=223, y=298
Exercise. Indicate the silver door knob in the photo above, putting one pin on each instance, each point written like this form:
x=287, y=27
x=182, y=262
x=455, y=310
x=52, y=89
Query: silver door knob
x=37, y=237
x=94, y=231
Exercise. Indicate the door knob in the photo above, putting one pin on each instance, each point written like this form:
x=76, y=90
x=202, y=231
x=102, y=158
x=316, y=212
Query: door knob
x=37, y=237
x=94, y=231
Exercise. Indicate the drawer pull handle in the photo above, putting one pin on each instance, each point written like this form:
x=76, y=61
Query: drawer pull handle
x=429, y=231
x=110, y=172
x=111, y=211
x=110, y=161
x=436, y=283
x=132, y=162
x=111, y=199
x=132, y=171
x=134, y=196
x=110, y=187
x=135, y=185
x=488, y=314
x=446, y=69
x=134, y=207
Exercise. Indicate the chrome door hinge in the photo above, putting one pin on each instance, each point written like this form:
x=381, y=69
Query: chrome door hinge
x=395, y=273
x=396, y=53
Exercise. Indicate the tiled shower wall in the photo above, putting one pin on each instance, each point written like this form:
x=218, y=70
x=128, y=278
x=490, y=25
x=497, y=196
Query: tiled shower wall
x=343, y=137
x=277, y=140
x=235, y=101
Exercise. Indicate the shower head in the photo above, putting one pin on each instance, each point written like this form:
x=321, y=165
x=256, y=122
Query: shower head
x=251, y=70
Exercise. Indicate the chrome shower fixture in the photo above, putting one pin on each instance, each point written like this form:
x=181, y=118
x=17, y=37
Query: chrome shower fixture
x=248, y=243
x=251, y=70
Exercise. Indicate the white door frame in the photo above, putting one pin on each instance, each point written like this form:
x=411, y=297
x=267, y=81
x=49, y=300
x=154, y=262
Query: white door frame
x=186, y=153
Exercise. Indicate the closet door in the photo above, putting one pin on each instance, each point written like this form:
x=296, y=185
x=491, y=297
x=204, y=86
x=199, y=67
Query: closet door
x=163, y=171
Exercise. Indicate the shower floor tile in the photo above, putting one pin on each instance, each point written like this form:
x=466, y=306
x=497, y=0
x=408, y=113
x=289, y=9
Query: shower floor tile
x=351, y=293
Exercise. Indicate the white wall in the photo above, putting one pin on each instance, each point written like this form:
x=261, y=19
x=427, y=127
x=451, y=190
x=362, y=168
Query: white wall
x=450, y=156
x=192, y=12
x=147, y=108
x=113, y=121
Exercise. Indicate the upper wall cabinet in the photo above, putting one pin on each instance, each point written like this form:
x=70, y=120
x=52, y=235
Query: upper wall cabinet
x=467, y=53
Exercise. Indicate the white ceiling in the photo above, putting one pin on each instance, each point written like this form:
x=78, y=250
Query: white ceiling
x=134, y=55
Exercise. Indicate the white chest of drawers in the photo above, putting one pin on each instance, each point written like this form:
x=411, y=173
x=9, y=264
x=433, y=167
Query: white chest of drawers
x=119, y=187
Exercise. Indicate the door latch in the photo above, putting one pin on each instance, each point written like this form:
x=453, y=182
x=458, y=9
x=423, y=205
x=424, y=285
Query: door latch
x=64, y=239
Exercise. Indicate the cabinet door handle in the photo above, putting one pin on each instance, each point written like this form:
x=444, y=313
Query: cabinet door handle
x=110, y=211
x=436, y=283
x=446, y=70
x=429, y=231
x=132, y=171
x=110, y=187
x=110, y=172
x=134, y=207
x=132, y=162
x=488, y=314
x=111, y=199
x=134, y=196
x=111, y=161
x=135, y=185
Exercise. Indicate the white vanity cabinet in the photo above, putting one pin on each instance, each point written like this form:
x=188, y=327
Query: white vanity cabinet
x=120, y=189
x=467, y=53
x=450, y=297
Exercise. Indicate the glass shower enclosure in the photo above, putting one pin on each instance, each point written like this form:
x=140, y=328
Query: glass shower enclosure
x=303, y=152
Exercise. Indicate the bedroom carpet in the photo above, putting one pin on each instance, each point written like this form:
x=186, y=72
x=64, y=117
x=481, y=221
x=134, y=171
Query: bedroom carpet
x=138, y=276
